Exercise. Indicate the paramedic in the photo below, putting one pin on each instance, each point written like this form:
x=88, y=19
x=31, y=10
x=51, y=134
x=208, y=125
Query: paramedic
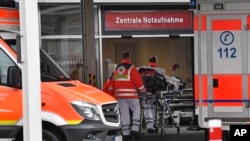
x=107, y=88
x=127, y=82
x=153, y=61
x=174, y=81
x=149, y=107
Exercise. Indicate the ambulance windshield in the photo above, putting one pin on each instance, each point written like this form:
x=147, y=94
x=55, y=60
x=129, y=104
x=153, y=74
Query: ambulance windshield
x=50, y=70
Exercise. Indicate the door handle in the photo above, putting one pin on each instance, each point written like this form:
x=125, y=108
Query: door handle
x=215, y=83
x=247, y=104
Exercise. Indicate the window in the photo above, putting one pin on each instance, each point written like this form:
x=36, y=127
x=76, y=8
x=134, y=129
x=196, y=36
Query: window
x=5, y=62
x=61, y=19
x=67, y=53
x=8, y=3
x=61, y=30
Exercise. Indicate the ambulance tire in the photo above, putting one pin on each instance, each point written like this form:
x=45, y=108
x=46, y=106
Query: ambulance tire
x=49, y=134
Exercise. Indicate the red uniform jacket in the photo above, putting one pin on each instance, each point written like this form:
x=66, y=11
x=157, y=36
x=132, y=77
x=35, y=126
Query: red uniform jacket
x=151, y=64
x=127, y=81
x=107, y=88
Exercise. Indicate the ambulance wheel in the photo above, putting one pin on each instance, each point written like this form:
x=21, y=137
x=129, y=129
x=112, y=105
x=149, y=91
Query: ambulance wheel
x=49, y=133
x=162, y=132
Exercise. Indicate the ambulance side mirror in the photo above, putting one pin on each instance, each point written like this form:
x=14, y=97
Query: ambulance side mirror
x=14, y=77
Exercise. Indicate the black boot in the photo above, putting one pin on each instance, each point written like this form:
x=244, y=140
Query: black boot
x=151, y=130
x=135, y=134
x=127, y=137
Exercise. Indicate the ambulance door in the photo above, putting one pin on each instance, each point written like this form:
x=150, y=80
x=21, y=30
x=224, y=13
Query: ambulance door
x=227, y=67
x=10, y=97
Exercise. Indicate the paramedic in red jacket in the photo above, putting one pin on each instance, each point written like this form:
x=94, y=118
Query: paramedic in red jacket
x=126, y=83
x=153, y=61
x=149, y=107
x=107, y=86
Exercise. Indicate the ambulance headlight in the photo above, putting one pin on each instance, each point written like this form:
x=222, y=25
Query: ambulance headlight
x=87, y=110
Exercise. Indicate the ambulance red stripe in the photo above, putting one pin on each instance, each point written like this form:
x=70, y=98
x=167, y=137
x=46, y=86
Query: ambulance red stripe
x=228, y=91
x=203, y=23
x=248, y=21
x=230, y=24
x=204, y=89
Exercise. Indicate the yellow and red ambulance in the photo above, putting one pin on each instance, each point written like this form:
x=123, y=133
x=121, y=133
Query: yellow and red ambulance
x=222, y=66
x=71, y=110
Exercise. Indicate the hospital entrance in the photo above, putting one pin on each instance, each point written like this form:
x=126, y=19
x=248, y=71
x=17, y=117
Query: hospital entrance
x=174, y=55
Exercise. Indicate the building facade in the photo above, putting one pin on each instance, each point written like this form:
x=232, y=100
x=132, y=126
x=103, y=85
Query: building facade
x=143, y=27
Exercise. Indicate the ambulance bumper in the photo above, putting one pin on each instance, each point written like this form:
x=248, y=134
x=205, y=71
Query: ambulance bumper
x=92, y=131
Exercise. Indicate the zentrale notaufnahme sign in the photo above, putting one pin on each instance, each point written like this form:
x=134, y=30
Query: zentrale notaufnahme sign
x=148, y=20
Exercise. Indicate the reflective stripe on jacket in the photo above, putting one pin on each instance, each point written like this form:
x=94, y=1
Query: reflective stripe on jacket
x=127, y=81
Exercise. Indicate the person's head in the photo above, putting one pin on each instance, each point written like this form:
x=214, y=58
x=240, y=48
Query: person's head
x=125, y=55
x=153, y=61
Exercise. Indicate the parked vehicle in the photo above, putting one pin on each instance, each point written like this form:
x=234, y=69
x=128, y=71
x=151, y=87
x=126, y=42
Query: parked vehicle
x=221, y=51
x=71, y=110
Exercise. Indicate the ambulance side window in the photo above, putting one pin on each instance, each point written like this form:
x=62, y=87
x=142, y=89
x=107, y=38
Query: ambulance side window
x=5, y=62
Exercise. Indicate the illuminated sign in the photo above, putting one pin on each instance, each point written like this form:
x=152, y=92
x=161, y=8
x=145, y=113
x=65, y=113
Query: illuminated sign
x=148, y=20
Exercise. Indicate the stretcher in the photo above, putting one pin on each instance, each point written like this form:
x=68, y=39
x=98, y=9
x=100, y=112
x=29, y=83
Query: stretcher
x=170, y=110
x=171, y=105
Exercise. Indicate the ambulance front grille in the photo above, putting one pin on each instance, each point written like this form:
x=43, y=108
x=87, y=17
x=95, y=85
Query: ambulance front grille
x=111, y=112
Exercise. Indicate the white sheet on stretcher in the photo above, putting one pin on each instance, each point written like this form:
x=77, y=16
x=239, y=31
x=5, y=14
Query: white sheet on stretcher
x=174, y=81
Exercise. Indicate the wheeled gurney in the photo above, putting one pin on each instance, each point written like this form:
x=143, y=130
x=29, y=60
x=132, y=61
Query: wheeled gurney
x=168, y=101
x=172, y=108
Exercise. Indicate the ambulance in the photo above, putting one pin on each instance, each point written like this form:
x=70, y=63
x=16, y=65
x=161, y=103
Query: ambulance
x=222, y=66
x=70, y=110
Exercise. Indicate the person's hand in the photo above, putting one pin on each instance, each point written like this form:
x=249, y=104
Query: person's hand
x=143, y=97
x=150, y=95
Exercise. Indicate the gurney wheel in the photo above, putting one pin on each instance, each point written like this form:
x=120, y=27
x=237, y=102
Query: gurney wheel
x=156, y=130
x=178, y=130
x=162, y=132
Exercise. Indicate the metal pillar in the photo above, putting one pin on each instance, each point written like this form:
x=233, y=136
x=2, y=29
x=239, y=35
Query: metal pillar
x=30, y=70
x=88, y=36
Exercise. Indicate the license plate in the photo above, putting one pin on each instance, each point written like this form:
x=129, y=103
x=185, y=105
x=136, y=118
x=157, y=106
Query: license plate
x=118, y=138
